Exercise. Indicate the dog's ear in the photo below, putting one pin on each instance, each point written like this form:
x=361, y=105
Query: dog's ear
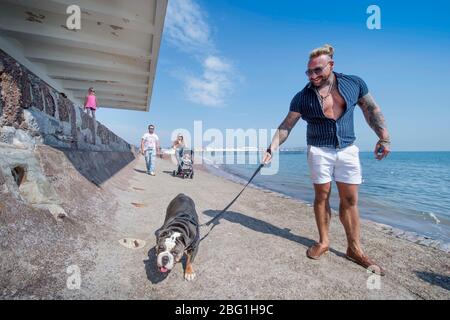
x=182, y=240
x=161, y=233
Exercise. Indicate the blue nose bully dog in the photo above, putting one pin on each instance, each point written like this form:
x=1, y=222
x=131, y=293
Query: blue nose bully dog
x=179, y=234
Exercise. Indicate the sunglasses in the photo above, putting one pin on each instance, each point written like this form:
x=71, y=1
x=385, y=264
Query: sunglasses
x=318, y=71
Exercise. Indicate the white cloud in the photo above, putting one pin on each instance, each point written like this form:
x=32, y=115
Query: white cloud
x=186, y=26
x=188, y=30
x=216, y=64
x=215, y=84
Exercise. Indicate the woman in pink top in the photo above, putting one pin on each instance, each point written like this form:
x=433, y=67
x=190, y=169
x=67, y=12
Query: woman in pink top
x=90, y=103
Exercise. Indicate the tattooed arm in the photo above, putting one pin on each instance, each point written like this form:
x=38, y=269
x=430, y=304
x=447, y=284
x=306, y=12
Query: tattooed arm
x=282, y=133
x=375, y=119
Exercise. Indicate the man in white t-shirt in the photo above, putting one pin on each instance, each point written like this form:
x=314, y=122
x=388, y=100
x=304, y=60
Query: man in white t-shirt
x=149, y=148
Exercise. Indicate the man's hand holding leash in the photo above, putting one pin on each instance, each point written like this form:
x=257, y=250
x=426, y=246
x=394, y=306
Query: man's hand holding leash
x=267, y=157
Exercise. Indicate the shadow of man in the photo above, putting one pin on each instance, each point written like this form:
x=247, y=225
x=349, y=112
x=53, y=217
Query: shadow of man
x=259, y=226
x=440, y=280
x=264, y=227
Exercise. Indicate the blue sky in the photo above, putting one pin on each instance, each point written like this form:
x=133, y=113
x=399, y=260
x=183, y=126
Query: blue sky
x=238, y=63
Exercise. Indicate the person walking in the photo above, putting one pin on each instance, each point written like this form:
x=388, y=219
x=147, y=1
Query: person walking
x=327, y=104
x=179, y=145
x=149, y=149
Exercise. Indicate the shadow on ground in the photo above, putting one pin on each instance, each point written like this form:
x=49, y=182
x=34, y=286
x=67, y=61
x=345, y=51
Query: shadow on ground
x=259, y=226
x=264, y=227
x=435, y=279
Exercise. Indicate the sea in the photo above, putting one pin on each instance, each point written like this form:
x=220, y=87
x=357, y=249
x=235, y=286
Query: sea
x=408, y=191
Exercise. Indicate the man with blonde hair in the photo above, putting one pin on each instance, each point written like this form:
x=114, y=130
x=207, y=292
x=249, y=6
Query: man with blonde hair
x=327, y=103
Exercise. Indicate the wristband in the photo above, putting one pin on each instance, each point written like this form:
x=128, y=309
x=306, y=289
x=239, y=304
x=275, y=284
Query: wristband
x=269, y=151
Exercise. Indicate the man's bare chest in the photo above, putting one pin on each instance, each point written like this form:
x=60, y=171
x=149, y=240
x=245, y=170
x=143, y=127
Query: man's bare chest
x=333, y=105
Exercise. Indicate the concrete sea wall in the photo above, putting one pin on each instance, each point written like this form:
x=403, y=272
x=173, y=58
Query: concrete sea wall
x=33, y=112
x=34, y=118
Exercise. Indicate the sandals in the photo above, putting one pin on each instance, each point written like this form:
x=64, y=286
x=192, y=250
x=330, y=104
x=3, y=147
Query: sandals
x=316, y=251
x=365, y=262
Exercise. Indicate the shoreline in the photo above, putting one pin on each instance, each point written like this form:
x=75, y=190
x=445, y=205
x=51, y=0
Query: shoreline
x=399, y=233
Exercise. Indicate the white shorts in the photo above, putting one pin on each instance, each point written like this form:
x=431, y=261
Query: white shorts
x=340, y=165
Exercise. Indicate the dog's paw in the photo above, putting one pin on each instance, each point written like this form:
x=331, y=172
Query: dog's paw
x=189, y=276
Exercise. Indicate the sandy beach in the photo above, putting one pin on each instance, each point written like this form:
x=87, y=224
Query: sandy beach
x=256, y=252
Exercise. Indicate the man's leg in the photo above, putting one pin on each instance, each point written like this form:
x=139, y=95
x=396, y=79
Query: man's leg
x=349, y=216
x=321, y=165
x=322, y=211
x=147, y=160
x=322, y=214
x=152, y=161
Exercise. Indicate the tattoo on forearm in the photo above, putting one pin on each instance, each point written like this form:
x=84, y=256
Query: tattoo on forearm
x=285, y=128
x=374, y=116
x=283, y=133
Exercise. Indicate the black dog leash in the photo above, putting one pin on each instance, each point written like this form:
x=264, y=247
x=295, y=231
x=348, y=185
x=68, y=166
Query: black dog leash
x=221, y=213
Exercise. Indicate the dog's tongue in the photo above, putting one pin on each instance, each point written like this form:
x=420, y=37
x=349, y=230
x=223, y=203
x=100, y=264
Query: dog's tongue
x=163, y=270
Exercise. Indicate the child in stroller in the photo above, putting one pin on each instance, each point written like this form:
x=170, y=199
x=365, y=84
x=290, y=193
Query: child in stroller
x=186, y=166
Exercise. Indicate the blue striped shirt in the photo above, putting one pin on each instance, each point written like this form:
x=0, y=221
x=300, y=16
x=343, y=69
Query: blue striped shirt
x=325, y=132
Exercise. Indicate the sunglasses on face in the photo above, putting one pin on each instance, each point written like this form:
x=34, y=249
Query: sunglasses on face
x=318, y=71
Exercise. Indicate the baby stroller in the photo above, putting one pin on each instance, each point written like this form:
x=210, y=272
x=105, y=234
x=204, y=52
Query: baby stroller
x=186, y=166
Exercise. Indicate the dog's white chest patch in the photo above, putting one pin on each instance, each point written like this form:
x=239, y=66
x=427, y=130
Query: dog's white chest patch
x=171, y=241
